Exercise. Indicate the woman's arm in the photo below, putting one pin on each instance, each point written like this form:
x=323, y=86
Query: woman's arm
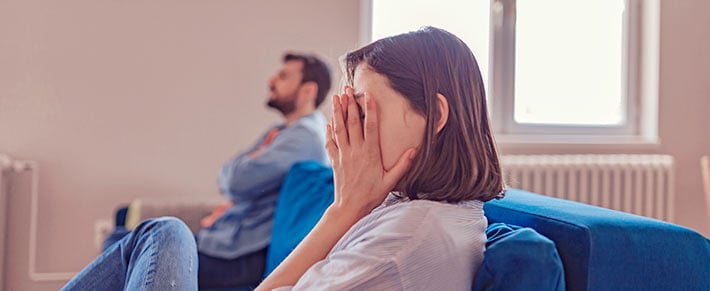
x=314, y=248
x=360, y=181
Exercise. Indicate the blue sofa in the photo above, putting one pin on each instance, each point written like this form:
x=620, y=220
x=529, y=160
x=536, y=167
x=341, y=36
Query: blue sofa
x=535, y=242
x=603, y=249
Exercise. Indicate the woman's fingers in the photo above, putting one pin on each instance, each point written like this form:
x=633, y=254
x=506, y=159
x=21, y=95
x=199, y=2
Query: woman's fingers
x=339, y=130
x=393, y=175
x=344, y=104
x=371, y=127
x=330, y=146
x=354, y=126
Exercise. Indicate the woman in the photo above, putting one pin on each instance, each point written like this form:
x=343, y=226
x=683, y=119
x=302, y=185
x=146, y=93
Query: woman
x=413, y=158
x=420, y=90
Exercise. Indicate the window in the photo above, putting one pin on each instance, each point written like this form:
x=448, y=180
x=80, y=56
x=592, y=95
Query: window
x=469, y=20
x=552, y=67
x=578, y=46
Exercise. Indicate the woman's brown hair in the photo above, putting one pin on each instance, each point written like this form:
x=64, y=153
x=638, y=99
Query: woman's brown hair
x=460, y=162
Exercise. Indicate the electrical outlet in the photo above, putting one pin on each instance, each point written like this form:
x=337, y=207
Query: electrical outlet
x=102, y=229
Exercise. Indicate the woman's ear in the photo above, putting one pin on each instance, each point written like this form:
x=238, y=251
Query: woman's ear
x=443, y=105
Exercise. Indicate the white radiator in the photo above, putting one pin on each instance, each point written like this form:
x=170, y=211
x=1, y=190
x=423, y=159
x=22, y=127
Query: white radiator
x=639, y=184
x=5, y=165
x=8, y=167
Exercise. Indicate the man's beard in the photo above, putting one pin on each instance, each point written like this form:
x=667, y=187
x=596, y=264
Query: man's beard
x=286, y=107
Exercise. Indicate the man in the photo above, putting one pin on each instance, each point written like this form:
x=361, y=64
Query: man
x=232, y=249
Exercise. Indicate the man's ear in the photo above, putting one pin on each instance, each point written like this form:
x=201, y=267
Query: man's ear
x=310, y=90
x=443, y=105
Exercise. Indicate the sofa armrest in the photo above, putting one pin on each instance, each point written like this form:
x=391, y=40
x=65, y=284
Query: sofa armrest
x=603, y=249
x=190, y=210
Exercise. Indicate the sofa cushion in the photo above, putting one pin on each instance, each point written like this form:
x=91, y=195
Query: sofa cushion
x=603, y=249
x=518, y=258
x=305, y=194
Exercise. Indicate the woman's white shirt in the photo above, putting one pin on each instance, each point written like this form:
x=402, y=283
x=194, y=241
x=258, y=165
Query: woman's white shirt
x=405, y=245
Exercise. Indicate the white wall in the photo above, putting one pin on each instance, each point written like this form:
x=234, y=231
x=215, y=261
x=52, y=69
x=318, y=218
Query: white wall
x=121, y=99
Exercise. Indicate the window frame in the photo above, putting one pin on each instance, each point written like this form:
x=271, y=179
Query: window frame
x=502, y=80
x=640, y=124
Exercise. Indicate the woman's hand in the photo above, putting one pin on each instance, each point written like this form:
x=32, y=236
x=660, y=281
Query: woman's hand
x=361, y=183
x=353, y=145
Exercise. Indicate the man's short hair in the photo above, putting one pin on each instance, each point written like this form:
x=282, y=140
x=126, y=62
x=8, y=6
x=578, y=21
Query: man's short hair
x=314, y=70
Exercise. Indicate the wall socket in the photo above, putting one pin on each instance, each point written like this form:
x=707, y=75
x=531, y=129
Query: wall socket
x=102, y=229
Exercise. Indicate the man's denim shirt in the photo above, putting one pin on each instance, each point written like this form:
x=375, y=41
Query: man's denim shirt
x=253, y=184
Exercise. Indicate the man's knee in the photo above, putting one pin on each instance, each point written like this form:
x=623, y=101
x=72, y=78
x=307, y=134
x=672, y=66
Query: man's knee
x=168, y=226
x=173, y=225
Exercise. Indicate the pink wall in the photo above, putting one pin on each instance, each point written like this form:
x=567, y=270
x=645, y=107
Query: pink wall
x=121, y=99
x=685, y=103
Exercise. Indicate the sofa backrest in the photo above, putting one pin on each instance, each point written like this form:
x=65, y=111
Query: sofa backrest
x=603, y=249
x=600, y=249
x=306, y=192
x=515, y=258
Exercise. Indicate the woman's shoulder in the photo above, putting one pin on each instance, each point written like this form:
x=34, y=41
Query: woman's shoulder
x=423, y=210
x=422, y=220
x=422, y=233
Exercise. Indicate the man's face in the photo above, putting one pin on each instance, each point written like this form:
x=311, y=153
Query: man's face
x=284, y=86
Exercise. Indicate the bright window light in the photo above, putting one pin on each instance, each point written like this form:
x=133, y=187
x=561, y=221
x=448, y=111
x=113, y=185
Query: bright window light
x=568, y=62
x=467, y=19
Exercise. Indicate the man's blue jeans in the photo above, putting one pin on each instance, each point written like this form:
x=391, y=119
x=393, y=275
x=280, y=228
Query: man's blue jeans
x=159, y=254
x=242, y=273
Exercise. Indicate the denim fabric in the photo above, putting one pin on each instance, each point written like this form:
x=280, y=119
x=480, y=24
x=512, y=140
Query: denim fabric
x=160, y=254
x=245, y=272
x=114, y=237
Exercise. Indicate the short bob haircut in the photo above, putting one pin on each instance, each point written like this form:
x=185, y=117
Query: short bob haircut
x=461, y=161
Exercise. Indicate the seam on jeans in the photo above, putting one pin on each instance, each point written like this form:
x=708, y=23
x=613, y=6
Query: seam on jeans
x=149, y=276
